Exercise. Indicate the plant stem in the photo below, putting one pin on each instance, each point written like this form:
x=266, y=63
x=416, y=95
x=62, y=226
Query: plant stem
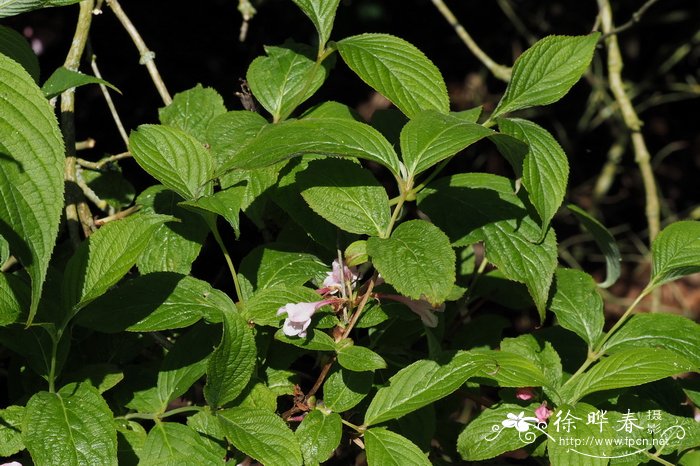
x=147, y=56
x=596, y=353
x=356, y=315
x=658, y=459
x=76, y=215
x=501, y=72
x=630, y=118
x=110, y=103
x=227, y=256
x=172, y=412
x=405, y=191
x=99, y=165
x=353, y=426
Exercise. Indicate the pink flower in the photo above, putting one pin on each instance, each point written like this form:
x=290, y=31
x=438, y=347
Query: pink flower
x=299, y=317
x=525, y=393
x=13, y=463
x=423, y=308
x=543, y=412
x=337, y=278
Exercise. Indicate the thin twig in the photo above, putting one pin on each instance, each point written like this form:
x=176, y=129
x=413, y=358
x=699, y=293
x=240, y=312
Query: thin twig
x=75, y=202
x=147, y=56
x=89, y=143
x=119, y=215
x=501, y=72
x=632, y=121
x=101, y=164
x=110, y=103
x=92, y=195
x=636, y=17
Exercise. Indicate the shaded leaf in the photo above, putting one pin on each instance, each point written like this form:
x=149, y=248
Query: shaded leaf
x=63, y=79
x=232, y=363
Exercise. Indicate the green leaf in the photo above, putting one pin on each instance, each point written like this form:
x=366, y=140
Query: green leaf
x=586, y=452
x=35, y=345
x=31, y=172
x=417, y=260
x=174, y=158
x=15, y=46
x=437, y=380
x=14, y=298
x=228, y=133
x=605, y=241
x=106, y=256
x=386, y=448
x=11, y=430
x=185, y=363
x=174, y=245
x=675, y=252
x=669, y=331
x=15, y=7
x=346, y=195
x=397, y=70
x=315, y=340
x=71, y=427
x=486, y=437
x=577, y=304
x=131, y=437
x=359, y=359
x=111, y=187
x=169, y=443
x=628, y=368
x=322, y=14
x=273, y=264
x=287, y=195
x=193, y=110
x=344, y=389
x=431, y=137
x=545, y=168
x=102, y=376
x=226, y=203
x=155, y=302
x=63, y=79
x=545, y=72
x=505, y=369
x=491, y=212
x=210, y=431
x=231, y=365
x=262, y=307
x=286, y=77
x=543, y=355
x=327, y=136
x=319, y=435
x=262, y=435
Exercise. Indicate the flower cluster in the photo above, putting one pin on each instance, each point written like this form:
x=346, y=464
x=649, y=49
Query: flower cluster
x=299, y=314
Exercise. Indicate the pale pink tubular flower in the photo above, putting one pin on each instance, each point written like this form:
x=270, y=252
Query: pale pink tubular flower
x=525, y=393
x=543, y=412
x=336, y=279
x=299, y=316
x=423, y=308
x=12, y=463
